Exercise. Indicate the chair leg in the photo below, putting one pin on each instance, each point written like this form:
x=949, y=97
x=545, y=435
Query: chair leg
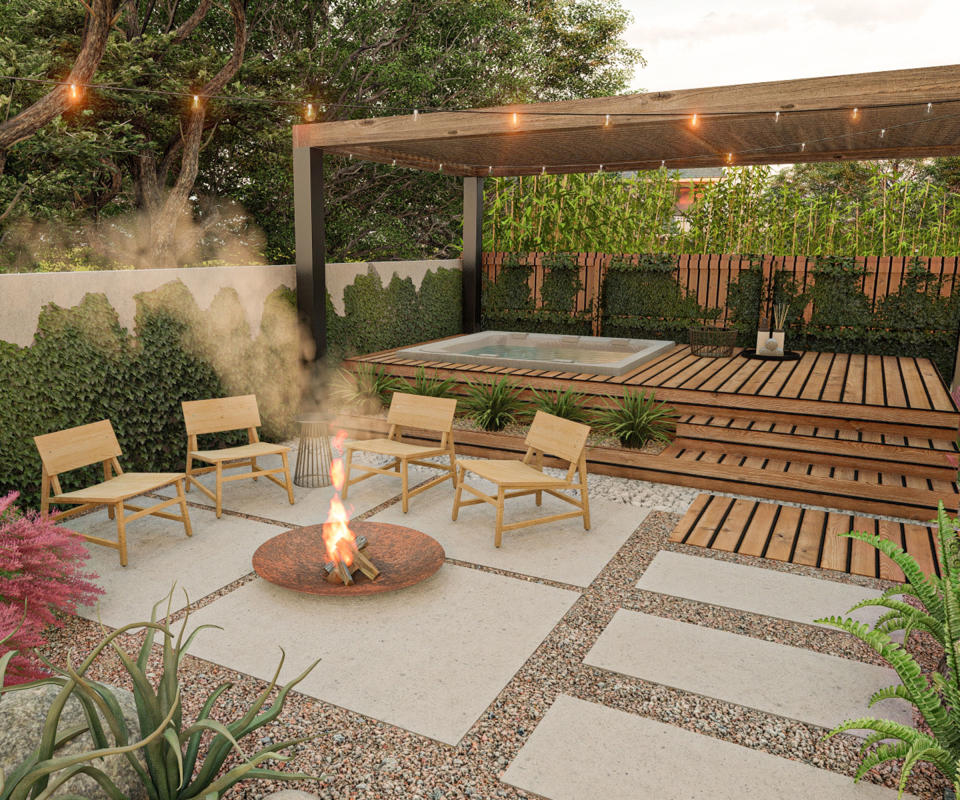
x=219, y=488
x=121, y=532
x=254, y=468
x=404, y=480
x=585, y=499
x=183, y=508
x=286, y=472
x=498, y=535
x=189, y=472
x=458, y=482
x=346, y=474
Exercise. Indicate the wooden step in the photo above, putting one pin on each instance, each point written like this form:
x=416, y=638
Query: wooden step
x=802, y=536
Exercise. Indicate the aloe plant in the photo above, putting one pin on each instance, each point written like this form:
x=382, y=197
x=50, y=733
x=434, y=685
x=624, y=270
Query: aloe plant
x=937, y=696
x=427, y=387
x=170, y=748
x=493, y=405
x=637, y=418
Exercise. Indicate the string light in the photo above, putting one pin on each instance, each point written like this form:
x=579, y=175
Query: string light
x=393, y=163
x=606, y=120
x=601, y=168
x=74, y=92
x=440, y=168
x=543, y=170
x=196, y=101
x=929, y=107
x=776, y=117
x=310, y=114
x=490, y=170
x=856, y=113
x=883, y=132
x=729, y=158
x=803, y=146
x=663, y=163
x=693, y=121
x=416, y=115
x=516, y=118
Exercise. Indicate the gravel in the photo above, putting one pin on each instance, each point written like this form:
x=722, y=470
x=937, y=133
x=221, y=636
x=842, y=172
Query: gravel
x=353, y=756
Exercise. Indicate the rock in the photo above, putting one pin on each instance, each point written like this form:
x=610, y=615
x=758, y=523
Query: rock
x=290, y=794
x=22, y=715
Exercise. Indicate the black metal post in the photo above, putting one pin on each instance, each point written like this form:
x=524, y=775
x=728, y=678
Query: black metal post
x=472, y=252
x=311, y=242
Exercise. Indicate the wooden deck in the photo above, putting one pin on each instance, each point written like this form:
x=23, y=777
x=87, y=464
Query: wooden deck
x=853, y=432
x=802, y=536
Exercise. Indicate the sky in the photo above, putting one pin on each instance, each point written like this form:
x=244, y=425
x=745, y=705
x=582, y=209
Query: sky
x=697, y=43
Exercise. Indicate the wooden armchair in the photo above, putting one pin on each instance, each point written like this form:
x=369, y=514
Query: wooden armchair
x=65, y=451
x=230, y=414
x=408, y=411
x=548, y=435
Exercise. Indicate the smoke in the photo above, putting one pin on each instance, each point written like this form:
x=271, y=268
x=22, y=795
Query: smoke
x=206, y=234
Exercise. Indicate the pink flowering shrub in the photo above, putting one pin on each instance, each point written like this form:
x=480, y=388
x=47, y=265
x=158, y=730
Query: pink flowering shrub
x=40, y=573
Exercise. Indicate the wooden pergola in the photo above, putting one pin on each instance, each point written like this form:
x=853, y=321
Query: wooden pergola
x=913, y=113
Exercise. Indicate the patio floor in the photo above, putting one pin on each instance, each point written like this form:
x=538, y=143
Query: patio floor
x=566, y=664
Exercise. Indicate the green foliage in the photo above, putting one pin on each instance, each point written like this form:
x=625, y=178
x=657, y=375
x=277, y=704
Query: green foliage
x=864, y=208
x=937, y=695
x=170, y=749
x=493, y=404
x=377, y=318
x=637, y=418
x=567, y=403
x=428, y=387
x=83, y=367
x=366, y=390
x=641, y=299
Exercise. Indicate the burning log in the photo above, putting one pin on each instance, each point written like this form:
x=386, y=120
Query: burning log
x=349, y=560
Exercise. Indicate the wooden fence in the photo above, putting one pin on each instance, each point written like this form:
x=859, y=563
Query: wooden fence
x=708, y=276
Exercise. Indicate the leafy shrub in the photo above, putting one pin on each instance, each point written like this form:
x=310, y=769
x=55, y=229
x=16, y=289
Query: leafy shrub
x=937, y=696
x=493, y=405
x=637, y=418
x=567, y=404
x=171, y=750
x=40, y=574
x=427, y=387
x=367, y=390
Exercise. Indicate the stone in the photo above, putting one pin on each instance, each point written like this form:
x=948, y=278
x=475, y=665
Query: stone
x=291, y=794
x=22, y=716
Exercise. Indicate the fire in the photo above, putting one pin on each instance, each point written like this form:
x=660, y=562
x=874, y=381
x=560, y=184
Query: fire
x=337, y=536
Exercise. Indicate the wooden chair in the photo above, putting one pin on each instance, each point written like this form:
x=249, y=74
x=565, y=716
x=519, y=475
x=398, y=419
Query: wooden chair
x=548, y=435
x=409, y=411
x=65, y=451
x=230, y=414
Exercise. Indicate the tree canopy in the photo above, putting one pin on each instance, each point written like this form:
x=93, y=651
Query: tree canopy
x=123, y=177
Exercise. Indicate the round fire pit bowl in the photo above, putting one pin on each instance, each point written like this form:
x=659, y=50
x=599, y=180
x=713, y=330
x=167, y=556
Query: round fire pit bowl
x=295, y=559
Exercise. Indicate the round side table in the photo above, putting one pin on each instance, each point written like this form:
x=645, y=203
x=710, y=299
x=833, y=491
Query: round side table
x=313, y=453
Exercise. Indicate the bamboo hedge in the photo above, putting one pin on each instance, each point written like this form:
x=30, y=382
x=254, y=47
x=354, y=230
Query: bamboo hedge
x=748, y=210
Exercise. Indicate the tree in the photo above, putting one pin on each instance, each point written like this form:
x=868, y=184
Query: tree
x=155, y=155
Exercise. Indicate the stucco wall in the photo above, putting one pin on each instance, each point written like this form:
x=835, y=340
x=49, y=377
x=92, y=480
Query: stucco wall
x=22, y=295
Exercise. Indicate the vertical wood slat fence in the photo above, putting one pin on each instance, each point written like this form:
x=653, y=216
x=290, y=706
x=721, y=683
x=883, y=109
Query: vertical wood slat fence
x=709, y=276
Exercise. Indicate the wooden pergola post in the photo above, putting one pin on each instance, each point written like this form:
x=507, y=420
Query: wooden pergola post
x=472, y=252
x=310, y=232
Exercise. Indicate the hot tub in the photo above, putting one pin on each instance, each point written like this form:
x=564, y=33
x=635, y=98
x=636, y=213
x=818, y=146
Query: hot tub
x=598, y=355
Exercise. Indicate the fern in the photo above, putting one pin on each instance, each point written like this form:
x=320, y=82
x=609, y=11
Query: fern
x=937, y=697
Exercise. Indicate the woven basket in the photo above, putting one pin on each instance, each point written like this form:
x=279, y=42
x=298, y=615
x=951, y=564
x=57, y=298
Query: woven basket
x=712, y=342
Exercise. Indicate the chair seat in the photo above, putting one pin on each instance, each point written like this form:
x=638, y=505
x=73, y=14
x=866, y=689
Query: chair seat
x=254, y=450
x=390, y=447
x=122, y=487
x=508, y=473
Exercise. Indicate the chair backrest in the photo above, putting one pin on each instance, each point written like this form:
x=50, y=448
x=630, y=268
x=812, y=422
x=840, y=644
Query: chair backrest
x=556, y=436
x=221, y=414
x=417, y=411
x=63, y=451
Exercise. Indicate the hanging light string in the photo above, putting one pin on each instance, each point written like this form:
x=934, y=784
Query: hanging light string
x=310, y=103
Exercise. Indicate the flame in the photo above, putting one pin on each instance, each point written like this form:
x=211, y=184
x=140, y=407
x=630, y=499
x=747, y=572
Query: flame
x=337, y=536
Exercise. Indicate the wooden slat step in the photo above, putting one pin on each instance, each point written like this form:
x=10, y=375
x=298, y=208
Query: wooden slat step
x=802, y=536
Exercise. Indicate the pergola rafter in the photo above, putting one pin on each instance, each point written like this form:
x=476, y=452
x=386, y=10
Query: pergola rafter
x=912, y=113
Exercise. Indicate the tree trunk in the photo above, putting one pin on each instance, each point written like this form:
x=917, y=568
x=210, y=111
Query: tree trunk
x=53, y=104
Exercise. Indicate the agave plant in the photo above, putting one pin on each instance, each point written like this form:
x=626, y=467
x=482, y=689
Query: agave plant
x=170, y=749
x=567, y=404
x=637, y=418
x=367, y=390
x=493, y=405
x=427, y=387
x=937, y=696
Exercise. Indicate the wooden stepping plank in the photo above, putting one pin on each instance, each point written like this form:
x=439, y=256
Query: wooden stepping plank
x=811, y=537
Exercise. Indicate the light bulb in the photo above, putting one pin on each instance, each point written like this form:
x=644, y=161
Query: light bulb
x=310, y=114
x=883, y=132
x=196, y=101
x=516, y=118
x=776, y=117
x=929, y=107
x=416, y=115
x=543, y=170
x=440, y=168
x=729, y=158
x=606, y=120
x=393, y=163
x=693, y=121
x=803, y=146
x=490, y=170
x=74, y=91
x=601, y=168
x=856, y=113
